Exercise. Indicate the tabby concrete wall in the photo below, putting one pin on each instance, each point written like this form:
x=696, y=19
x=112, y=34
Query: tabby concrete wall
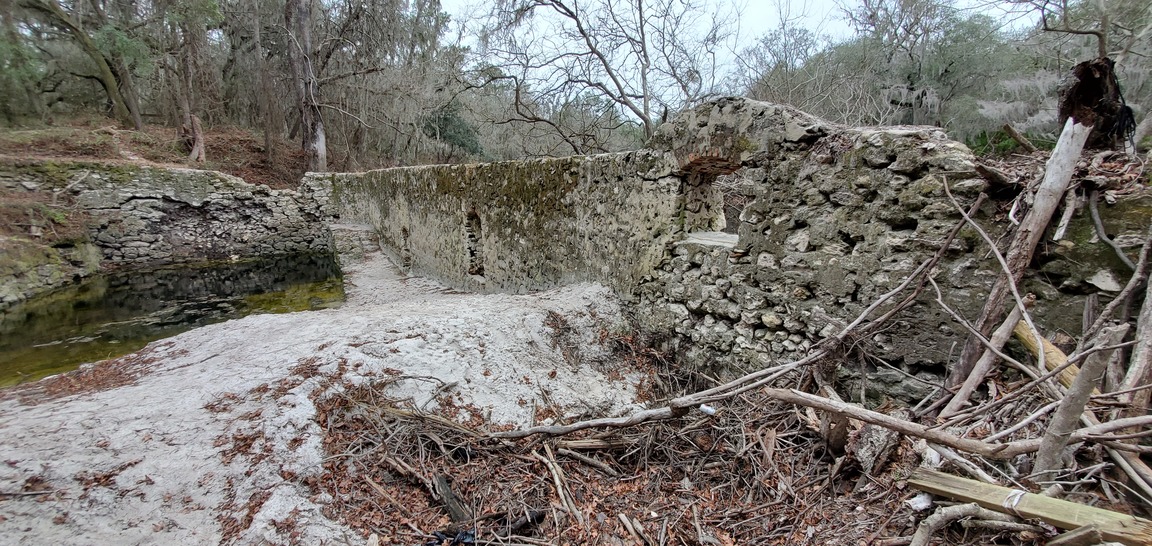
x=138, y=216
x=746, y=230
x=830, y=218
x=521, y=225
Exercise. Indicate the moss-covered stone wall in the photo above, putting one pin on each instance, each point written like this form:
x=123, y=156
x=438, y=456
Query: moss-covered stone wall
x=521, y=225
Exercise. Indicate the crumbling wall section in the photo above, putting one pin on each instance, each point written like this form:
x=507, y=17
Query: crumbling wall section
x=831, y=219
x=154, y=216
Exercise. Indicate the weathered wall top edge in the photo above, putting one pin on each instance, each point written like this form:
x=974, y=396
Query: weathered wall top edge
x=592, y=158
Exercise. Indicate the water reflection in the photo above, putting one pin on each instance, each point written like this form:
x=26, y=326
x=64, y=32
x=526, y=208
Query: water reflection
x=117, y=313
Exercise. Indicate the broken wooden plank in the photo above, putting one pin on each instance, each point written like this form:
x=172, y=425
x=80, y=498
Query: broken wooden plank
x=1062, y=514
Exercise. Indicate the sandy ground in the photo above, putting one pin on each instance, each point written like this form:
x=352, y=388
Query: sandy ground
x=212, y=439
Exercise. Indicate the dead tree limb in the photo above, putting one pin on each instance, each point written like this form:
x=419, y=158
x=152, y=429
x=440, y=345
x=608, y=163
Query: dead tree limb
x=1057, y=175
x=1101, y=233
x=1012, y=273
x=983, y=366
x=1051, y=355
x=1048, y=459
x=948, y=514
x=1140, y=364
x=1135, y=468
x=1019, y=138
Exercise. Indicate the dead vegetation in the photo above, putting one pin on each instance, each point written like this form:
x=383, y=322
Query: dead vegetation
x=776, y=456
x=238, y=152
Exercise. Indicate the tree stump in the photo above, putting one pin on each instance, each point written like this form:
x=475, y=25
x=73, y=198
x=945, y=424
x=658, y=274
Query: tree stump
x=1091, y=94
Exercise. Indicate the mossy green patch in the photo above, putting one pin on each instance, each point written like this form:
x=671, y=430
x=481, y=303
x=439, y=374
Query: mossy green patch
x=312, y=296
x=1082, y=253
x=58, y=174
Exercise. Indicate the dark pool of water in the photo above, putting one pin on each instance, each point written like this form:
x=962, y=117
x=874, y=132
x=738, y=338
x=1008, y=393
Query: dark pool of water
x=117, y=313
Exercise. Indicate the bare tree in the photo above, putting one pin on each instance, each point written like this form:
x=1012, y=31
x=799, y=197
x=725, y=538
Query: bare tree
x=640, y=58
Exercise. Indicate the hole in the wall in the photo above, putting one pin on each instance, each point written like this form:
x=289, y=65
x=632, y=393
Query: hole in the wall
x=474, y=235
x=735, y=195
x=849, y=240
x=405, y=250
x=905, y=224
x=704, y=215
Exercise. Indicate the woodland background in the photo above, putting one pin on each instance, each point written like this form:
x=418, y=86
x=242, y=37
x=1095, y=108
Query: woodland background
x=356, y=84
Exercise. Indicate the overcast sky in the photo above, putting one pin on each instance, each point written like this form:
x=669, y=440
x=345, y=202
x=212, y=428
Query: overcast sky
x=760, y=16
x=757, y=16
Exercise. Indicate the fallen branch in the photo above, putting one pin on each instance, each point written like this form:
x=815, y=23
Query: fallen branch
x=1140, y=364
x=908, y=428
x=1052, y=356
x=590, y=461
x=1048, y=459
x=1020, y=138
x=560, y=483
x=994, y=176
x=943, y=516
x=1102, y=234
x=1130, y=463
x=984, y=365
x=1012, y=271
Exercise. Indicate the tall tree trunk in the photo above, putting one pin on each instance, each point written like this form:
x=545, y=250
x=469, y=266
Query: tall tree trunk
x=297, y=17
x=128, y=91
x=191, y=131
x=264, y=99
x=105, y=75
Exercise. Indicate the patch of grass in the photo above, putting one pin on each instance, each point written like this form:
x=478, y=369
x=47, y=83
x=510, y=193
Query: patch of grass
x=999, y=144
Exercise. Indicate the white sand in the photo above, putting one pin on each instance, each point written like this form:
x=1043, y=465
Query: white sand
x=491, y=352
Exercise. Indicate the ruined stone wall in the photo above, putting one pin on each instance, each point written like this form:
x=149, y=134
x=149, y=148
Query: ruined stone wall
x=142, y=216
x=829, y=219
x=521, y=225
x=747, y=231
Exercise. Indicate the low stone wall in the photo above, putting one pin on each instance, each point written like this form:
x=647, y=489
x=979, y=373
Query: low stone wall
x=521, y=225
x=144, y=216
x=746, y=232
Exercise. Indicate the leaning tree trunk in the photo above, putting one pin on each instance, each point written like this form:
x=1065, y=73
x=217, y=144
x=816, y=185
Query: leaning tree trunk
x=298, y=20
x=104, y=72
